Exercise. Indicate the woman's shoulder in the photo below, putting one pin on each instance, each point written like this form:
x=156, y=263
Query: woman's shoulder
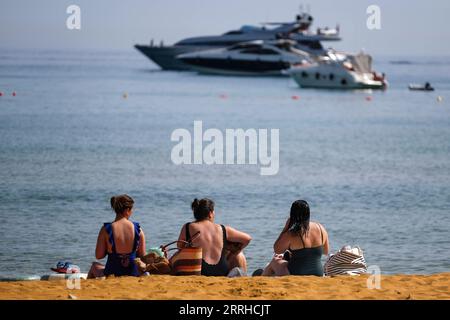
x=106, y=226
x=320, y=228
x=318, y=224
x=103, y=231
x=188, y=225
x=137, y=226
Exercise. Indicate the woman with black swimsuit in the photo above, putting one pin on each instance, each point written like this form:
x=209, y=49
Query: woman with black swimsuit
x=300, y=246
x=222, y=245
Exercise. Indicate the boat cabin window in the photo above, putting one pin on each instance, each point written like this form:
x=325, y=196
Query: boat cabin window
x=311, y=44
x=284, y=46
x=233, y=32
x=259, y=51
x=244, y=46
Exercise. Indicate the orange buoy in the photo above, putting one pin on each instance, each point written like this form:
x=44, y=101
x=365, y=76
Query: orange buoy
x=368, y=98
x=223, y=96
x=295, y=97
x=1, y=93
x=14, y=94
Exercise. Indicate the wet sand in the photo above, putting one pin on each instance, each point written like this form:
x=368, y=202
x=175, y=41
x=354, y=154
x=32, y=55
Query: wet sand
x=403, y=287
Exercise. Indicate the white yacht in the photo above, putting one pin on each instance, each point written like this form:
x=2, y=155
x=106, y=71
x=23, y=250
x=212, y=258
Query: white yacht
x=248, y=58
x=338, y=71
x=298, y=30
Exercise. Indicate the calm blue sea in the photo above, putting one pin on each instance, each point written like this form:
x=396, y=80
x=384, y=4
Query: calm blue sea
x=376, y=173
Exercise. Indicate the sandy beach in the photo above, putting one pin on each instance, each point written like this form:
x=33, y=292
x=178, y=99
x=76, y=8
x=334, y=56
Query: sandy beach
x=393, y=287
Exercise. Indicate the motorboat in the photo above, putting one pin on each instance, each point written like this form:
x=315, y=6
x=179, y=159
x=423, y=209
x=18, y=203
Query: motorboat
x=297, y=30
x=419, y=87
x=339, y=71
x=248, y=58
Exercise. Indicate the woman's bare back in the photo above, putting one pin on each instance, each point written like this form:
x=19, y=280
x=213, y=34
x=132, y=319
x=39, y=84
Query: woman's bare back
x=210, y=240
x=315, y=237
x=123, y=232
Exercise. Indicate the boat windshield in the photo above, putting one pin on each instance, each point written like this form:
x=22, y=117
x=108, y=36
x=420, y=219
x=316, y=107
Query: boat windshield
x=244, y=46
x=245, y=29
x=259, y=51
x=233, y=32
x=285, y=45
x=361, y=62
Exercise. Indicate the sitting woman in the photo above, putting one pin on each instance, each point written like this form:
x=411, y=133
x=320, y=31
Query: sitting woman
x=300, y=246
x=221, y=245
x=122, y=241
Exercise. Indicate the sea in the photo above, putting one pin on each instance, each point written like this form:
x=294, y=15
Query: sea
x=77, y=127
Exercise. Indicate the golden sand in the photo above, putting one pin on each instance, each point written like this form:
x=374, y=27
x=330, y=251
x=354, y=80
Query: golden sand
x=197, y=287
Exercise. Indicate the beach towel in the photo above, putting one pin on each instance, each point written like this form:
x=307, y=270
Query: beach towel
x=347, y=261
x=66, y=267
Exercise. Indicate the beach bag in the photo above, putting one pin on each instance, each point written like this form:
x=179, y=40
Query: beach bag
x=153, y=263
x=347, y=261
x=186, y=261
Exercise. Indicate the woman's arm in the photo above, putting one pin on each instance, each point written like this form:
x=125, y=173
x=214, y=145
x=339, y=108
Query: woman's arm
x=282, y=243
x=326, y=244
x=182, y=237
x=100, y=249
x=141, y=249
x=286, y=226
x=240, y=237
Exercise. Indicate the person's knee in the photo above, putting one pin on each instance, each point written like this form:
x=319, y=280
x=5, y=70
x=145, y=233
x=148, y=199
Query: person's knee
x=280, y=267
x=96, y=270
x=238, y=260
x=241, y=257
x=241, y=260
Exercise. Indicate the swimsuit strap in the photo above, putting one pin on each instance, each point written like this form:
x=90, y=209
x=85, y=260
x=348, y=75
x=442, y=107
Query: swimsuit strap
x=224, y=232
x=188, y=234
x=301, y=238
x=108, y=228
x=137, y=236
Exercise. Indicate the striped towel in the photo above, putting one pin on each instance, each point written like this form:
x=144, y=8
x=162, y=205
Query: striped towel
x=347, y=261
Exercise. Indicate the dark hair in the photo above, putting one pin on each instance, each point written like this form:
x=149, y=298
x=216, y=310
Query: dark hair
x=299, y=219
x=202, y=208
x=121, y=203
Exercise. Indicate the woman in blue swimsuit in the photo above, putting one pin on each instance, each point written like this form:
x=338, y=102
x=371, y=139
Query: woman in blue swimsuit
x=122, y=241
x=300, y=246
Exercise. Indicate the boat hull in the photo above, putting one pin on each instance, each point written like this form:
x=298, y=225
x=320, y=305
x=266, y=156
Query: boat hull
x=335, y=79
x=237, y=67
x=165, y=57
x=419, y=88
